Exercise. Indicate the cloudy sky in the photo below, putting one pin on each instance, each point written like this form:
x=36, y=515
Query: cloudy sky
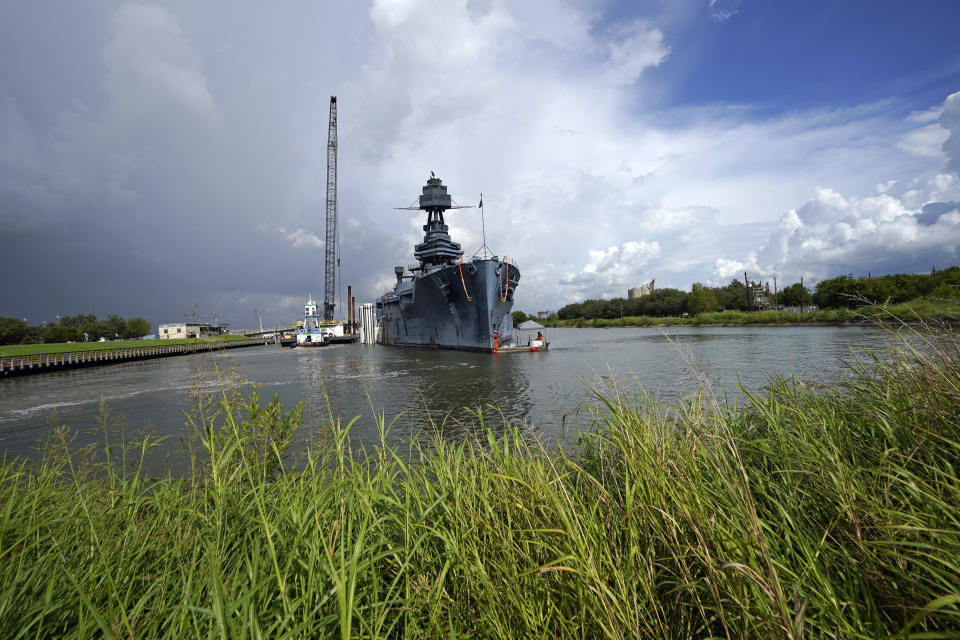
x=156, y=155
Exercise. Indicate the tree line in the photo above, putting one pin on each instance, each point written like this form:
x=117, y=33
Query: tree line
x=72, y=329
x=839, y=292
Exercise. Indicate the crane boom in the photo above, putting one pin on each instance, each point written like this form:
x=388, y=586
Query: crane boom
x=330, y=262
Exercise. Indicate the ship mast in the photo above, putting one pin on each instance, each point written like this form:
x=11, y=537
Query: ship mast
x=330, y=262
x=437, y=249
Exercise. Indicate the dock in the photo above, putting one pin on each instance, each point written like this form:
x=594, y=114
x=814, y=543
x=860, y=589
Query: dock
x=47, y=362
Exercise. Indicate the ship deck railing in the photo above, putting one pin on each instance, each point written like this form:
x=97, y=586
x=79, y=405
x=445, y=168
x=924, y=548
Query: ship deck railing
x=477, y=258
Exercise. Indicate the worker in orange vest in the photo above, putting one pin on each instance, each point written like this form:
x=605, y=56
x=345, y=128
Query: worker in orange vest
x=496, y=339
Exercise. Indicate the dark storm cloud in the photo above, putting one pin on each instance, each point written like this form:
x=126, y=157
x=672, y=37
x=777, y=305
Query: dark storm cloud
x=141, y=173
x=157, y=155
x=931, y=212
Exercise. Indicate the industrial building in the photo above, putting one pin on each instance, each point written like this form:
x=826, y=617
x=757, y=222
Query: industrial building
x=182, y=330
x=642, y=290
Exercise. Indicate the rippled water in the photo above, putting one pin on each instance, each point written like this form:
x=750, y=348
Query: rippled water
x=543, y=390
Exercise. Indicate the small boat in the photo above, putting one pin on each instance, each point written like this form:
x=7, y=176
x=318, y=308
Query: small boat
x=288, y=339
x=528, y=336
x=311, y=333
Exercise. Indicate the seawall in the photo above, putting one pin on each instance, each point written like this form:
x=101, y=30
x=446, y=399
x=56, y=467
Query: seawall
x=46, y=362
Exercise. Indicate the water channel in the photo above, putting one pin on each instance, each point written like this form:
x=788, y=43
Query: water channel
x=544, y=391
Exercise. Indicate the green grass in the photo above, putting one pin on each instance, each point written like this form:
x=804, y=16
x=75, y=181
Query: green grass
x=921, y=310
x=810, y=511
x=65, y=347
x=731, y=318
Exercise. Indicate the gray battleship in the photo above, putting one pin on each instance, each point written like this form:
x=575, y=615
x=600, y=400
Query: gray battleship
x=446, y=302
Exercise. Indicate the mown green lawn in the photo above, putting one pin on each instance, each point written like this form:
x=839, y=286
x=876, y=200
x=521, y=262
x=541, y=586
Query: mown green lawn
x=67, y=347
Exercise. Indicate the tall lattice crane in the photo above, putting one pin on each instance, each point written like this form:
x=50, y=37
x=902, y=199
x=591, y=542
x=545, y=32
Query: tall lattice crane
x=330, y=263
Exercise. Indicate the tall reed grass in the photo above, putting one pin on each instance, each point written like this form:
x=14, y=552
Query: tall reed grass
x=808, y=512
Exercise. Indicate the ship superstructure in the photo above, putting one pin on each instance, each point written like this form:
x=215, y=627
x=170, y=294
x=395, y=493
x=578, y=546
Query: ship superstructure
x=444, y=301
x=312, y=332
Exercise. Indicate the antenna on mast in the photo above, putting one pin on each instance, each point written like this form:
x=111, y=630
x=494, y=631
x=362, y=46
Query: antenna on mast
x=483, y=223
x=330, y=261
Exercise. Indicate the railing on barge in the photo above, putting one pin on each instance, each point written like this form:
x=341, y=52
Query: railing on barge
x=43, y=362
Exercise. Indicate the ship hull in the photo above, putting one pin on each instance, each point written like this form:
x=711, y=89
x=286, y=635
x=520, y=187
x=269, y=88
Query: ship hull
x=312, y=340
x=454, y=307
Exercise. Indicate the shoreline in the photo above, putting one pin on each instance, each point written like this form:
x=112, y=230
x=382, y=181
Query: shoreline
x=823, y=323
x=44, y=362
x=939, y=322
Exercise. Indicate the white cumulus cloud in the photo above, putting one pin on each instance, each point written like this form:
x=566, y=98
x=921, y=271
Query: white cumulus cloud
x=906, y=226
x=302, y=238
x=609, y=272
x=633, y=48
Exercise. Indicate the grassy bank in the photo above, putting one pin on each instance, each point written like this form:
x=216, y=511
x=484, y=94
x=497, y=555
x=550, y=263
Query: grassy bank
x=809, y=512
x=65, y=347
x=921, y=310
x=727, y=318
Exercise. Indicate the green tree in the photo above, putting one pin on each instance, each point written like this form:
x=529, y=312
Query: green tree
x=944, y=291
x=835, y=293
x=57, y=333
x=115, y=326
x=136, y=328
x=570, y=311
x=616, y=308
x=663, y=302
x=701, y=300
x=733, y=296
x=13, y=330
x=950, y=276
x=593, y=308
x=84, y=322
x=519, y=316
x=795, y=295
x=881, y=290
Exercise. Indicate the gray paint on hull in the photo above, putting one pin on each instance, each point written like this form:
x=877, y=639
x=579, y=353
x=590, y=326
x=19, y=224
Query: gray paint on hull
x=433, y=310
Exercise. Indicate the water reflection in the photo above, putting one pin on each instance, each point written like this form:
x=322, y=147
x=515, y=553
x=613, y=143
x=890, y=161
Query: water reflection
x=413, y=387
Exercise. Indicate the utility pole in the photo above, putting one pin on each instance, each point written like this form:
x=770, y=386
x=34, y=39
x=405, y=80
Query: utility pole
x=802, y=291
x=746, y=286
x=776, y=301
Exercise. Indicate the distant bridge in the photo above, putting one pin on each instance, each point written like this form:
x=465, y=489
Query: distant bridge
x=265, y=333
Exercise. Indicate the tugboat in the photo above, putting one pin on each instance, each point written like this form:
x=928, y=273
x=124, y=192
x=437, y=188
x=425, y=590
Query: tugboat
x=444, y=302
x=311, y=333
